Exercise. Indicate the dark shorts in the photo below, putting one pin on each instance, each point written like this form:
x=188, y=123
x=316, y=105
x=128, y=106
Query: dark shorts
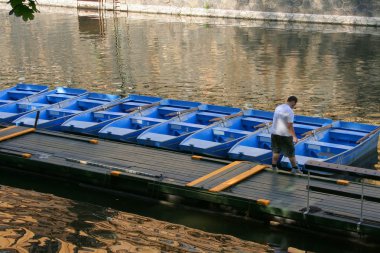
x=283, y=145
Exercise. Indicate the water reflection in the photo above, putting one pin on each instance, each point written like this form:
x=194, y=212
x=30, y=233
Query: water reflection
x=335, y=74
x=35, y=222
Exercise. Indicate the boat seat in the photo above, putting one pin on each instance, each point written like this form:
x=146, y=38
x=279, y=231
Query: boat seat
x=141, y=120
x=340, y=131
x=164, y=110
x=177, y=125
x=29, y=106
x=55, y=112
x=205, y=117
x=128, y=105
x=223, y=130
x=132, y=104
x=303, y=159
x=30, y=121
x=117, y=131
x=158, y=137
x=90, y=103
x=5, y=115
x=251, y=151
x=306, y=127
x=301, y=129
x=201, y=144
x=178, y=128
x=32, y=89
x=57, y=97
x=18, y=94
x=345, y=135
x=317, y=144
x=105, y=115
x=263, y=137
x=252, y=121
x=80, y=124
x=4, y=101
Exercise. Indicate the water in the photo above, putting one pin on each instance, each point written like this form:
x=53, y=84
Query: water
x=334, y=70
x=79, y=211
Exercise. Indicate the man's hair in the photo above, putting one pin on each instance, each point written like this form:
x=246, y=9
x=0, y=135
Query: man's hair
x=292, y=98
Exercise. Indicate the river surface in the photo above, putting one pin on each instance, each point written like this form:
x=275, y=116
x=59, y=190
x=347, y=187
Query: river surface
x=334, y=70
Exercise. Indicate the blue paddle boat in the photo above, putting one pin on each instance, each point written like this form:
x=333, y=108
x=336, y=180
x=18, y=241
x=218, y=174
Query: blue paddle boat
x=257, y=147
x=52, y=117
x=20, y=91
x=217, y=139
x=91, y=121
x=12, y=111
x=170, y=133
x=341, y=143
x=128, y=128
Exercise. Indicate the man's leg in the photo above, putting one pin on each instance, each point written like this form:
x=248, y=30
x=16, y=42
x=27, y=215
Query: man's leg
x=275, y=142
x=275, y=158
x=295, y=169
x=290, y=153
x=293, y=161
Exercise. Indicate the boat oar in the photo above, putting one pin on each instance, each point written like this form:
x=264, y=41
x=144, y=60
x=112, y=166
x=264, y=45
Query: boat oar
x=226, y=117
x=182, y=112
x=139, y=108
x=317, y=130
x=368, y=135
x=106, y=107
x=268, y=124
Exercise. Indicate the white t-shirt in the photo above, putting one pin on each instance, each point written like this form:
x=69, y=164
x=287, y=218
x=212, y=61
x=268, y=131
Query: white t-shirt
x=282, y=116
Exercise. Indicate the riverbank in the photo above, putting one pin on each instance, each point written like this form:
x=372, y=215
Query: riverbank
x=355, y=13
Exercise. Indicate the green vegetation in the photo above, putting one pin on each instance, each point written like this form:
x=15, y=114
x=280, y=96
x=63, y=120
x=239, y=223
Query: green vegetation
x=23, y=8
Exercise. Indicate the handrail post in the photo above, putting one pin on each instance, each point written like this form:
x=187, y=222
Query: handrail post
x=308, y=193
x=36, y=120
x=361, y=205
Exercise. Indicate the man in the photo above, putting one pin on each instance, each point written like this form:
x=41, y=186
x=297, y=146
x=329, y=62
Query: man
x=283, y=136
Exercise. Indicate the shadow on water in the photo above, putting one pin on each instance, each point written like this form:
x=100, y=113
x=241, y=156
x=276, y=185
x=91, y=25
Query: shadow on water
x=32, y=221
x=88, y=206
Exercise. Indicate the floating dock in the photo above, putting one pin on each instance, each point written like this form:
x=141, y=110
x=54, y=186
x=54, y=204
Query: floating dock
x=242, y=188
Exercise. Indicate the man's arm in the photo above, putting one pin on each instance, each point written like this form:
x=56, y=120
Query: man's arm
x=292, y=132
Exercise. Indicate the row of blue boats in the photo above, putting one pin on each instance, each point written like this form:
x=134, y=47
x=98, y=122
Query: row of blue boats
x=212, y=130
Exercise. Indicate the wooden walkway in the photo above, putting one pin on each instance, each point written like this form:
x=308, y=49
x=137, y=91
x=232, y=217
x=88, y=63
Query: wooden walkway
x=159, y=173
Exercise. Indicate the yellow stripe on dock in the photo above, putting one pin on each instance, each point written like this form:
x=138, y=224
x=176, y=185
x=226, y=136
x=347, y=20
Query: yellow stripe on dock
x=238, y=178
x=263, y=202
x=196, y=157
x=26, y=155
x=215, y=172
x=93, y=141
x=115, y=173
x=343, y=182
x=26, y=131
x=7, y=128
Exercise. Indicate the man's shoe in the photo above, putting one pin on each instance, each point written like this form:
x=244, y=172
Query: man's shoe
x=296, y=171
x=275, y=169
